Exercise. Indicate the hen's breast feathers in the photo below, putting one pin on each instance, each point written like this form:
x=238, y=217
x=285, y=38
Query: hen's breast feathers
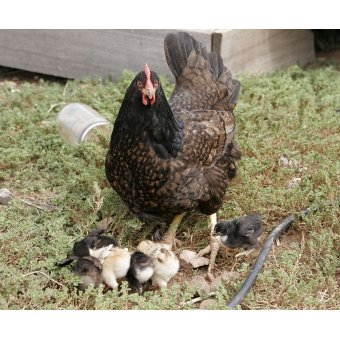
x=152, y=178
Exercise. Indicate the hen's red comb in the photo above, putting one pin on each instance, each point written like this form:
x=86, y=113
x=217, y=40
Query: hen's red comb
x=147, y=71
x=148, y=76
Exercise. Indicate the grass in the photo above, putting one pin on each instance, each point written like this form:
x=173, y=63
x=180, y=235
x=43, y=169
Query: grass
x=293, y=113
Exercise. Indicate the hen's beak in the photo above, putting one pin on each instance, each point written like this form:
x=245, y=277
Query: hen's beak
x=149, y=92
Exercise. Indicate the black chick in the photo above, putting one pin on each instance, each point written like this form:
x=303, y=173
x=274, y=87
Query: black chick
x=94, y=240
x=88, y=268
x=140, y=272
x=242, y=232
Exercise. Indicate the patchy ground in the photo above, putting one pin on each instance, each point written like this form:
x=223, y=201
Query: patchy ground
x=288, y=131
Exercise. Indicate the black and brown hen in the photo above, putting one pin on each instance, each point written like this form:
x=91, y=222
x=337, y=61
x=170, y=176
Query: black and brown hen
x=169, y=157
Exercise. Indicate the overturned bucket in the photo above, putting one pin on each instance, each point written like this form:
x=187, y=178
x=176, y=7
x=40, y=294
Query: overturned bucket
x=76, y=121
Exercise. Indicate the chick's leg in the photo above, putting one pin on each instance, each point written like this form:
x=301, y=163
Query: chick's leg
x=170, y=235
x=245, y=253
x=212, y=248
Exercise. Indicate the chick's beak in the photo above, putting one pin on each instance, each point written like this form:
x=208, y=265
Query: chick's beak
x=214, y=233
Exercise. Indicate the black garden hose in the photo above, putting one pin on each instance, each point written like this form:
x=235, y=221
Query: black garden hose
x=276, y=232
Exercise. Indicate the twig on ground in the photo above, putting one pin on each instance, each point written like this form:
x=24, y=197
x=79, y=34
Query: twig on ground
x=42, y=273
x=41, y=206
x=198, y=299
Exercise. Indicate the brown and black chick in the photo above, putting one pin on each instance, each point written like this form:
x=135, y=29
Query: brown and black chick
x=92, y=242
x=242, y=232
x=88, y=268
x=140, y=271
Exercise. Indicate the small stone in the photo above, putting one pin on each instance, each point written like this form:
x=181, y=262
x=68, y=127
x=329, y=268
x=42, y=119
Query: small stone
x=284, y=161
x=294, y=182
x=106, y=222
x=225, y=277
x=201, y=284
x=207, y=304
x=5, y=196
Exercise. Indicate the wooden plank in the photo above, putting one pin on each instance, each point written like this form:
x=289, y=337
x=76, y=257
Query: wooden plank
x=260, y=51
x=96, y=53
x=87, y=53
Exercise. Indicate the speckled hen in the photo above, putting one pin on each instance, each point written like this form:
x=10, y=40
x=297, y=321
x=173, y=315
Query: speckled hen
x=169, y=157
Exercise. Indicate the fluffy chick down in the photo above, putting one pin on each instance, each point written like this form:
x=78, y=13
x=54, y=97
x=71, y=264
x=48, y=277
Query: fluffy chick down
x=115, y=266
x=140, y=271
x=165, y=262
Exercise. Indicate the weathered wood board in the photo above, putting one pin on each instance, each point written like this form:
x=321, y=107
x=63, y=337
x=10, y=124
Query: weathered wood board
x=96, y=53
x=260, y=51
x=87, y=53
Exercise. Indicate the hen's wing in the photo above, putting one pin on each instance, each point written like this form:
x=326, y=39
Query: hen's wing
x=207, y=135
x=202, y=80
x=204, y=97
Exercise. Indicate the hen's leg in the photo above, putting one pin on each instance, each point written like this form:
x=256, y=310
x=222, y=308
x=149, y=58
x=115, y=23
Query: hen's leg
x=170, y=235
x=213, y=247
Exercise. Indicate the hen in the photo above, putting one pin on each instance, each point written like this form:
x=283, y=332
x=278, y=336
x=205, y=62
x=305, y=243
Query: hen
x=166, y=158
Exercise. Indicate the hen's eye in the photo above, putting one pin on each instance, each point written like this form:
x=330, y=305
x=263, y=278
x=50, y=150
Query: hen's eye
x=156, y=83
x=139, y=84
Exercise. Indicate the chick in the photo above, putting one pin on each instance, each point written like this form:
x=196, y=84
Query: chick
x=165, y=262
x=101, y=253
x=94, y=240
x=242, y=232
x=165, y=266
x=115, y=266
x=140, y=271
x=87, y=267
x=148, y=247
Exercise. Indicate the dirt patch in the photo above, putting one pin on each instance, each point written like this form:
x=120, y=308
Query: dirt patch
x=18, y=76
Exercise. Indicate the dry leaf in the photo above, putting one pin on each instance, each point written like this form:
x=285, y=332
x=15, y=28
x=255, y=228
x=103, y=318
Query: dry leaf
x=192, y=258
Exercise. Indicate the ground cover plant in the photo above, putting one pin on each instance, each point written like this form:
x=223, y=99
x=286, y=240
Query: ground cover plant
x=288, y=132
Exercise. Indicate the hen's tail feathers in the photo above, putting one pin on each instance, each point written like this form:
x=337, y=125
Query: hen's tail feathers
x=234, y=92
x=229, y=102
x=190, y=63
x=177, y=49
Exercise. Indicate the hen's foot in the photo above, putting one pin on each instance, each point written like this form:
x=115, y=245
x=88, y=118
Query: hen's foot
x=212, y=248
